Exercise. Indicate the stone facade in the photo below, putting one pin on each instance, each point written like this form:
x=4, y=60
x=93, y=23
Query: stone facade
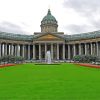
x=60, y=45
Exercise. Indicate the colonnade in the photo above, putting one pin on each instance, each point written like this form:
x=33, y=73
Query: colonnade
x=58, y=50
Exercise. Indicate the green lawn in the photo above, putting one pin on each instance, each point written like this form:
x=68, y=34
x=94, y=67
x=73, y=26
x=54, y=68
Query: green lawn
x=49, y=82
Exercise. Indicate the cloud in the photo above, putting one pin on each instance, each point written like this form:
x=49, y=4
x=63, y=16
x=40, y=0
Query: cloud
x=89, y=9
x=76, y=29
x=11, y=28
x=83, y=6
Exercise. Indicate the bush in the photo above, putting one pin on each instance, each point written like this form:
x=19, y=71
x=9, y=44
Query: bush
x=85, y=58
x=11, y=59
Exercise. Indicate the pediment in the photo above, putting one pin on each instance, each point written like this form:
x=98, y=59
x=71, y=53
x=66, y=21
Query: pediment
x=49, y=37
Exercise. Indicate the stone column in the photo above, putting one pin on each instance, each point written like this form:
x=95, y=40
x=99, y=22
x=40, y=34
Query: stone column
x=11, y=49
x=94, y=49
x=57, y=51
x=29, y=52
x=63, y=51
x=74, y=50
x=5, y=49
x=18, y=54
x=15, y=50
x=39, y=51
x=33, y=51
x=45, y=50
x=23, y=51
x=0, y=49
x=85, y=49
x=91, y=48
x=80, y=51
x=26, y=51
x=68, y=51
x=51, y=51
x=97, y=48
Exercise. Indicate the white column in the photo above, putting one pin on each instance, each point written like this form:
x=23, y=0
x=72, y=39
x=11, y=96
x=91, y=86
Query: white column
x=57, y=51
x=68, y=51
x=5, y=49
x=63, y=51
x=91, y=48
x=45, y=50
x=17, y=50
x=97, y=48
x=94, y=48
x=0, y=50
x=80, y=49
x=28, y=52
x=39, y=51
x=33, y=51
x=51, y=51
x=74, y=50
x=18, y=54
x=9, y=48
x=85, y=49
x=23, y=51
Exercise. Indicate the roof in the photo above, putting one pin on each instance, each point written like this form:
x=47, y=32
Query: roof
x=30, y=38
x=89, y=35
x=12, y=36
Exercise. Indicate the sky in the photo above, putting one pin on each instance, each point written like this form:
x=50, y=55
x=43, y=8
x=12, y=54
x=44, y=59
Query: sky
x=73, y=16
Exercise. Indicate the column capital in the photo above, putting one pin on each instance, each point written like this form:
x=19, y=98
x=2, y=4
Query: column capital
x=58, y=43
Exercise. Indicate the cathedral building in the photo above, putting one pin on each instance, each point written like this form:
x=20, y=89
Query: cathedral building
x=61, y=46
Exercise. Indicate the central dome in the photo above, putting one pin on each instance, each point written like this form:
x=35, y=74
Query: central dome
x=49, y=18
x=49, y=23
